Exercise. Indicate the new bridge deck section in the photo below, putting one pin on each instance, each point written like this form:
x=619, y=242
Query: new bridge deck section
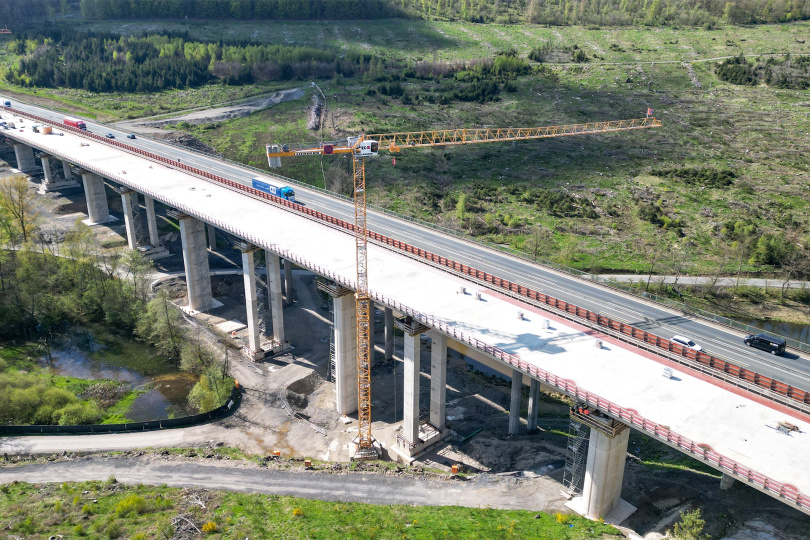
x=728, y=423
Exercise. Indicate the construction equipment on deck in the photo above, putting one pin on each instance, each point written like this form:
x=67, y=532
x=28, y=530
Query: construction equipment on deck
x=369, y=145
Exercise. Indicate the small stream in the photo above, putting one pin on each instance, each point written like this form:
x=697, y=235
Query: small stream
x=166, y=392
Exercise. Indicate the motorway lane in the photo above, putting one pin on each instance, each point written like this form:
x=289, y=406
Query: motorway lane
x=792, y=368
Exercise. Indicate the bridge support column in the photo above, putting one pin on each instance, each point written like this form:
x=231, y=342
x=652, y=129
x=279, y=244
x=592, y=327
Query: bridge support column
x=726, y=481
x=50, y=181
x=251, y=302
x=389, y=334
x=345, y=328
x=157, y=250
x=514, y=403
x=438, y=380
x=129, y=201
x=604, y=473
x=288, y=284
x=273, y=265
x=25, y=158
x=66, y=171
x=97, y=209
x=212, y=237
x=410, y=391
x=534, y=404
x=195, y=260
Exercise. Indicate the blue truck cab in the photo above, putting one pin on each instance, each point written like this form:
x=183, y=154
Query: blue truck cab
x=284, y=192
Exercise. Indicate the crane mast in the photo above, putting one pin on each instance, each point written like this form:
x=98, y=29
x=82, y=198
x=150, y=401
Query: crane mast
x=365, y=146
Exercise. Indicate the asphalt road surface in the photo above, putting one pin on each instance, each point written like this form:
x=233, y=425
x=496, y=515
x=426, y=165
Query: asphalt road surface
x=792, y=368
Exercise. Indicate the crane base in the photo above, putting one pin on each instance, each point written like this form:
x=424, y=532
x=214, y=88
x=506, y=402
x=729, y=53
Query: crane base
x=362, y=454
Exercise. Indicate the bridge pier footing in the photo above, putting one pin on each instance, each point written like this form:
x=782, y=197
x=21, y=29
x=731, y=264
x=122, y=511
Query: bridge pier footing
x=273, y=265
x=345, y=328
x=195, y=260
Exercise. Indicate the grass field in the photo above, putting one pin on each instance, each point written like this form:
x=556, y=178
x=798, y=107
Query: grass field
x=112, y=510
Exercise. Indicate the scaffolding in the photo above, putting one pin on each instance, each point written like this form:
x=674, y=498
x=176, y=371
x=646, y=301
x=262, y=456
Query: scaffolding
x=576, y=457
x=332, y=290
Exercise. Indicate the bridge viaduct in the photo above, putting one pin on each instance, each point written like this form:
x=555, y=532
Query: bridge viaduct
x=537, y=341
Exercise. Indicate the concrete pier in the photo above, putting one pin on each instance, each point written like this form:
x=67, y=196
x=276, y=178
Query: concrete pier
x=212, y=237
x=51, y=180
x=410, y=390
x=604, y=473
x=438, y=380
x=534, y=405
x=251, y=302
x=726, y=481
x=345, y=328
x=288, y=283
x=195, y=260
x=273, y=264
x=514, y=403
x=157, y=251
x=25, y=158
x=131, y=206
x=389, y=333
x=97, y=209
x=67, y=172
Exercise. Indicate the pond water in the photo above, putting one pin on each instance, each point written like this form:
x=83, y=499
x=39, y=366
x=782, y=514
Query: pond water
x=166, y=392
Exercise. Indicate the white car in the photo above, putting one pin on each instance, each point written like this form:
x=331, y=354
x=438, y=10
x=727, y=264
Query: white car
x=686, y=342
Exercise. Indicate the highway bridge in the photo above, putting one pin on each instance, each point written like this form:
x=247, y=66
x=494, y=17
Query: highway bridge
x=605, y=348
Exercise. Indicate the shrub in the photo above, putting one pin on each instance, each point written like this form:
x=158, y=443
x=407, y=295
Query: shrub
x=209, y=527
x=131, y=504
x=297, y=512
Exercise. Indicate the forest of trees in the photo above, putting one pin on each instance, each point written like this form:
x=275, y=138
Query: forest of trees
x=788, y=72
x=107, y=62
x=554, y=12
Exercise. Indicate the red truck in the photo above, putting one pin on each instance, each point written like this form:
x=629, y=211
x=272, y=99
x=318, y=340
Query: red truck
x=75, y=123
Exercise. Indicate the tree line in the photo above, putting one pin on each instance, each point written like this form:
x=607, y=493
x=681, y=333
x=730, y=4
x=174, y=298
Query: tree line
x=103, y=62
x=553, y=12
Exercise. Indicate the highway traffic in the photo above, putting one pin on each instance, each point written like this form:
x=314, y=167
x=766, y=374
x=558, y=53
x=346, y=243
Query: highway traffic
x=791, y=368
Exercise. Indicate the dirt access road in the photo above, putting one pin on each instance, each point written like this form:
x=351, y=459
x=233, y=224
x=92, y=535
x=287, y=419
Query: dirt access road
x=248, y=477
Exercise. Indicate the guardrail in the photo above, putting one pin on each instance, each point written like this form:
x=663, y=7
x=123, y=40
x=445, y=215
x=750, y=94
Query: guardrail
x=151, y=425
x=795, y=398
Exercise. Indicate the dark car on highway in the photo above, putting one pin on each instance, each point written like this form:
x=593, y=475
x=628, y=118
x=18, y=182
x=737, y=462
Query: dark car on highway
x=110, y=136
x=773, y=345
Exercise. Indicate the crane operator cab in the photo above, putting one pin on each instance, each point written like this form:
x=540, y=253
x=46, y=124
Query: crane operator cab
x=367, y=147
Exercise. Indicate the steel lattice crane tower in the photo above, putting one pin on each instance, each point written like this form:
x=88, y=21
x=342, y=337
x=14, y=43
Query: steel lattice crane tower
x=369, y=145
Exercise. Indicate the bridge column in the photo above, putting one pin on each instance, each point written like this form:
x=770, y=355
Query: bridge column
x=66, y=171
x=97, y=209
x=345, y=328
x=514, y=403
x=251, y=302
x=273, y=265
x=389, y=334
x=212, y=237
x=438, y=380
x=195, y=260
x=25, y=158
x=288, y=284
x=410, y=390
x=726, y=481
x=129, y=201
x=157, y=250
x=534, y=405
x=50, y=180
x=604, y=473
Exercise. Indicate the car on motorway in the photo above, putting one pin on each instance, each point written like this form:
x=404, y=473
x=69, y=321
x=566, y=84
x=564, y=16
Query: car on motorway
x=686, y=342
x=131, y=136
x=110, y=136
x=7, y=103
x=773, y=345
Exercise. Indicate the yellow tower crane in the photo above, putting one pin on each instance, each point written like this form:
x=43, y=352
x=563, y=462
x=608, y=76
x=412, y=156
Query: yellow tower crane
x=369, y=145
